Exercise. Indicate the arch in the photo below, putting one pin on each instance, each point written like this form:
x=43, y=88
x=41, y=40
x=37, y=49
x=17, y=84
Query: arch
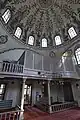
x=18, y=32
x=57, y=40
x=31, y=40
x=44, y=42
x=6, y=16
x=72, y=33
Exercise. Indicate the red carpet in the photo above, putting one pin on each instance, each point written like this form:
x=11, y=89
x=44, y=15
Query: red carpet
x=32, y=113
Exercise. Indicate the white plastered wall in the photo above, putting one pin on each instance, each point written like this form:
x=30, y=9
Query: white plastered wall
x=13, y=93
x=12, y=55
x=36, y=89
x=76, y=91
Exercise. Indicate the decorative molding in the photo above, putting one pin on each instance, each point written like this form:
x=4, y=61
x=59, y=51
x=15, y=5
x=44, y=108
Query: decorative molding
x=3, y=39
x=52, y=54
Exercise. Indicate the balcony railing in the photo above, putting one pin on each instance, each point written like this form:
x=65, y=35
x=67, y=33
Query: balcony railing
x=17, y=69
x=41, y=73
x=11, y=67
x=63, y=106
x=12, y=115
x=43, y=104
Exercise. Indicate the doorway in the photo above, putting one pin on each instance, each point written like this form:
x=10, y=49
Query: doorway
x=28, y=94
x=68, y=95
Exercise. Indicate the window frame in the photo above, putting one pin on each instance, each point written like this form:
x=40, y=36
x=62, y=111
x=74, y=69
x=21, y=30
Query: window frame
x=43, y=42
x=55, y=40
x=16, y=31
x=74, y=31
x=33, y=41
x=3, y=16
x=76, y=55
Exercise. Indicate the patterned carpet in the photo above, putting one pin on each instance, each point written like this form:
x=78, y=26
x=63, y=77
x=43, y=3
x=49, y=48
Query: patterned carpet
x=32, y=113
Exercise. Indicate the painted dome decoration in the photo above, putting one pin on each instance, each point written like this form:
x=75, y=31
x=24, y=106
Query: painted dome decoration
x=41, y=23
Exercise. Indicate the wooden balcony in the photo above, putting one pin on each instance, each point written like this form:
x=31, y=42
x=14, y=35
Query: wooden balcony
x=11, y=115
x=14, y=70
x=43, y=104
x=17, y=70
x=11, y=69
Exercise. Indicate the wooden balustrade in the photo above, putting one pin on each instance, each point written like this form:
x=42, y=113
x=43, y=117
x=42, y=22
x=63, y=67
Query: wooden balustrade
x=63, y=106
x=43, y=105
x=17, y=68
x=12, y=68
x=12, y=115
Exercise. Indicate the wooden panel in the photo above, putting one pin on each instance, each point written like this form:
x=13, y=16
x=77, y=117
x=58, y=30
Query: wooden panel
x=5, y=104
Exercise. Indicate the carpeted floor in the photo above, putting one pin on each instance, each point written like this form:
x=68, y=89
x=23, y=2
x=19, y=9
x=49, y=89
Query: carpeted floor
x=32, y=113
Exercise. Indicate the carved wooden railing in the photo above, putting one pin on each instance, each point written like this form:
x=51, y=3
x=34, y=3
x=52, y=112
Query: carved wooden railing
x=17, y=69
x=11, y=67
x=63, y=106
x=12, y=115
x=43, y=104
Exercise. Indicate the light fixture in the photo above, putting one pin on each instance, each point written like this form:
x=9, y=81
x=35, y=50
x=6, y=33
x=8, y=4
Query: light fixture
x=43, y=82
x=77, y=85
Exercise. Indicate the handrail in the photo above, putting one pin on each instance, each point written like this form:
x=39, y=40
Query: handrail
x=11, y=115
x=36, y=70
x=42, y=74
x=63, y=103
x=18, y=107
x=20, y=70
x=11, y=112
x=11, y=67
x=43, y=104
x=63, y=106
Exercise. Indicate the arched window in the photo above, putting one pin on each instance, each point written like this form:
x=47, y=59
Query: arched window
x=57, y=40
x=6, y=16
x=31, y=40
x=77, y=53
x=18, y=32
x=72, y=32
x=44, y=42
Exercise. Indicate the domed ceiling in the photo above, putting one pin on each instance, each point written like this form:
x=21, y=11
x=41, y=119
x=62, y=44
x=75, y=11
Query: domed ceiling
x=42, y=19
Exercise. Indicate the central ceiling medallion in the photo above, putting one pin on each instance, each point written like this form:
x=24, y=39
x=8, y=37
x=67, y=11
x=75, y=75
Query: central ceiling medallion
x=45, y=4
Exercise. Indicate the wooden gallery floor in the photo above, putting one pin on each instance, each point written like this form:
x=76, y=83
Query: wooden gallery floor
x=32, y=113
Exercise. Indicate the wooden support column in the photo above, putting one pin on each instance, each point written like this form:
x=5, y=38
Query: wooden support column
x=22, y=100
x=49, y=97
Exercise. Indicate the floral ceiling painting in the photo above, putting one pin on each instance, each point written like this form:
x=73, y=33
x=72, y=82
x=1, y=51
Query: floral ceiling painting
x=42, y=19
